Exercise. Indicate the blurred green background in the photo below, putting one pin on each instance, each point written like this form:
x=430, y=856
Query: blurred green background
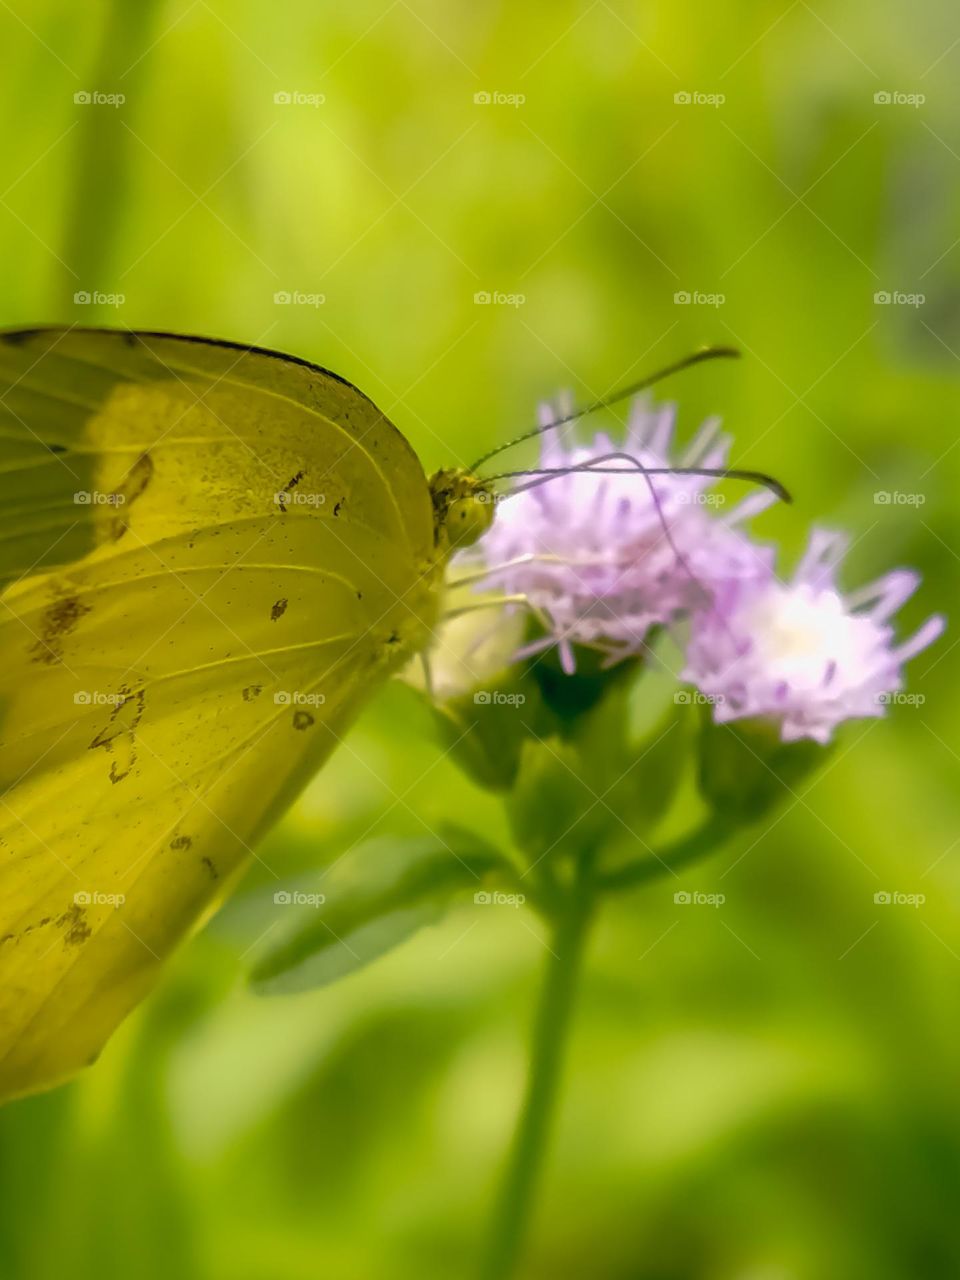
x=762, y=1092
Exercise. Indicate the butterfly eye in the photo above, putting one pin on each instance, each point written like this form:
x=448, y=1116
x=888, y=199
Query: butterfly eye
x=469, y=518
x=463, y=506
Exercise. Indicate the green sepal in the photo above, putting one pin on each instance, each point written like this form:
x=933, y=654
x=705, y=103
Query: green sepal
x=745, y=770
x=484, y=730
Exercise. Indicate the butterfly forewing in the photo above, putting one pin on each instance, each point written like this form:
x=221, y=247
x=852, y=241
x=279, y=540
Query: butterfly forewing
x=211, y=555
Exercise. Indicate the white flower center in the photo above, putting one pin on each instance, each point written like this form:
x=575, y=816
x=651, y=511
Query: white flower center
x=801, y=634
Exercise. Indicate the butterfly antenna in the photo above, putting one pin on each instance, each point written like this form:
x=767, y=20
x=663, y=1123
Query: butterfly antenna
x=544, y=474
x=698, y=357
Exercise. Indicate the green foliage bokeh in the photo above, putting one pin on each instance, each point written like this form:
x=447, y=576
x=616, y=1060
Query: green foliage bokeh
x=765, y=1091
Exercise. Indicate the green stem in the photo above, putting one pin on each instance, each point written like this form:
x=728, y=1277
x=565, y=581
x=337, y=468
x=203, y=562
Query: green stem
x=704, y=839
x=571, y=908
x=104, y=145
x=518, y=1189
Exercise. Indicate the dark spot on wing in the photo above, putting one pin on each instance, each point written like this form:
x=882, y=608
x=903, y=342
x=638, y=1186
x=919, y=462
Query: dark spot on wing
x=120, y=720
x=74, y=922
x=302, y=720
x=208, y=863
x=393, y=637
x=338, y=506
x=57, y=448
x=133, y=485
x=181, y=842
x=17, y=337
x=129, y=338
x=278, y=609
x=58, y=621
x=26, y=931
x=119, y=737
x=251, y=691
x=291, y=484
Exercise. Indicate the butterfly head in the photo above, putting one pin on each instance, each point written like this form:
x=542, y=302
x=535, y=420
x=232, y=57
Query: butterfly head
x=463, y=507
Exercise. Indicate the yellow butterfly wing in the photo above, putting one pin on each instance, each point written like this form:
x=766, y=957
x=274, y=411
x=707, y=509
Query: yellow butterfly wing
x=211, y=553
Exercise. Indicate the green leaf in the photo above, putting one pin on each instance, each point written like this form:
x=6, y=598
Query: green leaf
x=372, y=899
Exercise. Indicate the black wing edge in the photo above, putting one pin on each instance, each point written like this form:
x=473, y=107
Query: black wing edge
x=130, y=336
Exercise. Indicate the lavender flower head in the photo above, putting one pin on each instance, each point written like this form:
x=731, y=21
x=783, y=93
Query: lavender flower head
x=605, y=557
x=803, y=652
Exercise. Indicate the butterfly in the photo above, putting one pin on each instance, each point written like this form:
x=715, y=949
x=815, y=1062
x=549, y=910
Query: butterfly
x=210, y=555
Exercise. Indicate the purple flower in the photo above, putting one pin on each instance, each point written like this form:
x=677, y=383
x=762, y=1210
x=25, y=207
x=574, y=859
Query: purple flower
x=606, y=557
x=803, y=652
